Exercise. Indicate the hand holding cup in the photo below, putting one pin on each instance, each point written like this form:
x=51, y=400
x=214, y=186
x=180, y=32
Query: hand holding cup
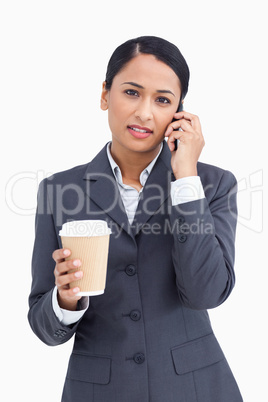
x=67, y=296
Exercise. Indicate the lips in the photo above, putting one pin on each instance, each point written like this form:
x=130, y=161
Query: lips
x=140, y=129
x=139, y=132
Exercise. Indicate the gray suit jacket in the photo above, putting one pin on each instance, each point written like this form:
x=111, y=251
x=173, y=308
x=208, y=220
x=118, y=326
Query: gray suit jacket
x=148, y=337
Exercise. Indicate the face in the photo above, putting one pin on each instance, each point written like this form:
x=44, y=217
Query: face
x=141, y=103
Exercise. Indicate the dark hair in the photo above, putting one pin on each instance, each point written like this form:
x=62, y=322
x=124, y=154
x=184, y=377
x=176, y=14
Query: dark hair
x=160, y=48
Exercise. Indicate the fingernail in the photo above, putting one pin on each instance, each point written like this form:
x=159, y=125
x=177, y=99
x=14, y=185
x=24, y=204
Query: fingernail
x=76, y=290
x=66, y=252
x=76, y=263
x=78, y=274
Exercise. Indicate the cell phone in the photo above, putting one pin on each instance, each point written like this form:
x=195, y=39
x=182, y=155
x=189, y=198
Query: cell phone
x=180, y=109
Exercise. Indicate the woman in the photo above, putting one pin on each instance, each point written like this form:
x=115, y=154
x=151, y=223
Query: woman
x=171, y=254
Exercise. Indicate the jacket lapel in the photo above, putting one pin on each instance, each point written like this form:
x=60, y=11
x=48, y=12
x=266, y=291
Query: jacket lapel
x=102, y=189
x=156, y=189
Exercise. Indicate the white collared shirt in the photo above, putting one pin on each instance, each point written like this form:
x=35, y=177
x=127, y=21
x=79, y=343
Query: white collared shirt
x=130, y=196
x=182, y=190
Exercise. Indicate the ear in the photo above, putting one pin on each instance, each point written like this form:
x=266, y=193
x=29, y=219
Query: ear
x=104, y=97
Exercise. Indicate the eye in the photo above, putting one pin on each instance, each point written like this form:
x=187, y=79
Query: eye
x=131, y=92
x=162, y=100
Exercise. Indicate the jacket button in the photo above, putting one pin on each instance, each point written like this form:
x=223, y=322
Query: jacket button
x=60, y=333
x=139, y=358
x=130, y=270
x=182, y=238
x=135, y=315
x=181, y=220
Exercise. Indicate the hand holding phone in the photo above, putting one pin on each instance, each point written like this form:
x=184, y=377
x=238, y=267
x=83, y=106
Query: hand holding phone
x=186, y=129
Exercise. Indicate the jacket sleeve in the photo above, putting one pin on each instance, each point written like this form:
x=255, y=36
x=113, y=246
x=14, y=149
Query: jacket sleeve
x=41, y=316
x=203, y=252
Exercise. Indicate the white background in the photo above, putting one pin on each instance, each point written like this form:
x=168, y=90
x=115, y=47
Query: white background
x=53, y=61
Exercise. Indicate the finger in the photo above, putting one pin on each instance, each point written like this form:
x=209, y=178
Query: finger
x=63, y=280
x=59, y=254
x=195, y=122
x=184, y=124
x=62, y=267
x=69, y=293
x=169, y=130
x=175, y=125
x=176, y=135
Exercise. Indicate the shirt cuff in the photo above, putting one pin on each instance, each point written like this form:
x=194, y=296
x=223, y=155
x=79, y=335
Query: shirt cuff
x=67, y=317
x=186, y=189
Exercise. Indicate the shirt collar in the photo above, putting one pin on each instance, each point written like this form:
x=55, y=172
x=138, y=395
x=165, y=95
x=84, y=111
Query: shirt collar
x=117, y=172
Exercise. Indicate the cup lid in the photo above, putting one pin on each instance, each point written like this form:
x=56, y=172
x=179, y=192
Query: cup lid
x=85, y=228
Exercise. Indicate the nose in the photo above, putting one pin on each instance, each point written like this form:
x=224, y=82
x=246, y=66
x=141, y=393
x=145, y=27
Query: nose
x=144, y=110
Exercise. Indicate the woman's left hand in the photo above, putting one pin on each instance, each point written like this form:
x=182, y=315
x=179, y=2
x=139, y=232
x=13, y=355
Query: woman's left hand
x=191, y=141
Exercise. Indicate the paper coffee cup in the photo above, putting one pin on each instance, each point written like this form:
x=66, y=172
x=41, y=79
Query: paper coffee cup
x=88, y=241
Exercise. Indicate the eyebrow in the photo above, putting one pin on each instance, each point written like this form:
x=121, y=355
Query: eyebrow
x=162, y=91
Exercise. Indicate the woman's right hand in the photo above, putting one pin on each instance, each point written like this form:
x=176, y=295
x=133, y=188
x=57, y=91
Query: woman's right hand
x=67, y=297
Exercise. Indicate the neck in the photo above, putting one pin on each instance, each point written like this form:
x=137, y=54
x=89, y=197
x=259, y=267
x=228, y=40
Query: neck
x=132, y=163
